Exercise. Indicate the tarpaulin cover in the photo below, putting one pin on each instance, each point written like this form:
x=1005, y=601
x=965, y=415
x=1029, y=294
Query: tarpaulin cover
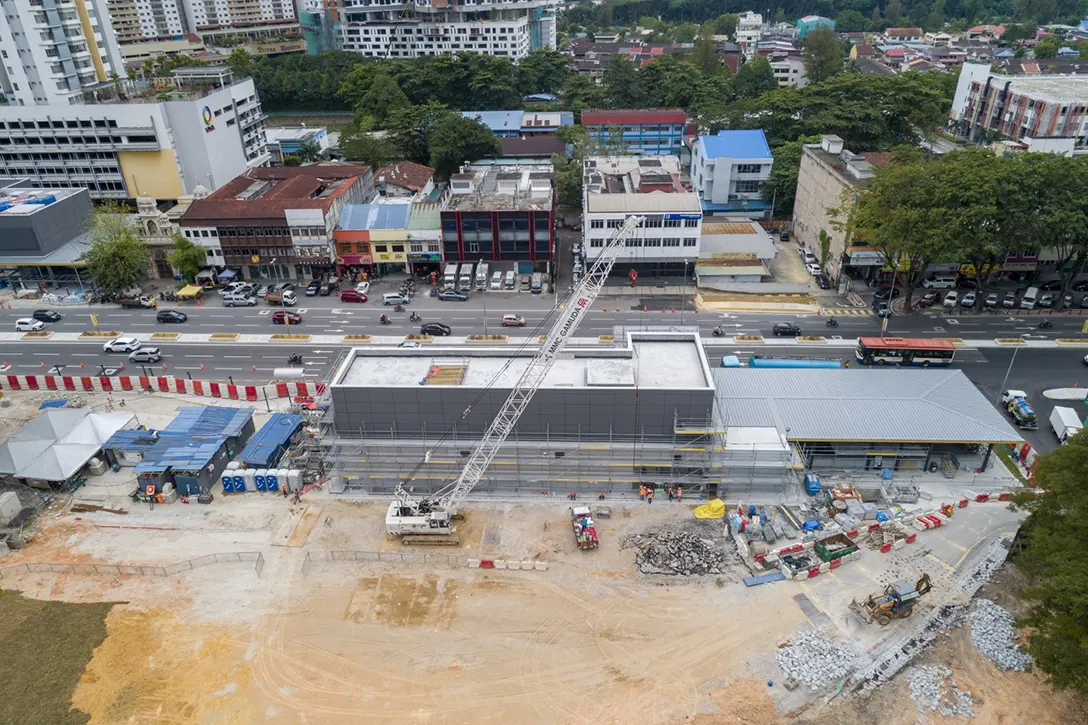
x=190, y=290
x=711, y=510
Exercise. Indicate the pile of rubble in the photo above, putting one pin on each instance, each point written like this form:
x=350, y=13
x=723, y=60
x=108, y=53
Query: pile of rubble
x=677, y=552
x=932, y=688
x=815, y=659
x=993, y=635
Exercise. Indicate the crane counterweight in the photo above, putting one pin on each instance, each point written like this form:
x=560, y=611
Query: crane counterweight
x=433, y=514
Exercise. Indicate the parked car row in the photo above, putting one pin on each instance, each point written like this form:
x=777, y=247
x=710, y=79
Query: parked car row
x=1028, y=299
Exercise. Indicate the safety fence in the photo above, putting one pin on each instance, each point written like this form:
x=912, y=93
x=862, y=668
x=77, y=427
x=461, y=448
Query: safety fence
x=160, y=384
x=393, y=557
x=40, y=567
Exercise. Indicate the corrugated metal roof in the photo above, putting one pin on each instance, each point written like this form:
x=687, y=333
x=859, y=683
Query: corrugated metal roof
x=210, y=421
x=736, y=144
x=357, y=217
x=267, y=444
x=930, y=406
x=133, y=440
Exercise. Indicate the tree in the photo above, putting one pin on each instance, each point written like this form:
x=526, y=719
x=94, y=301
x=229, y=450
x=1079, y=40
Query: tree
x=292, y=160
x=309, y=151
x=822, y=54
x=187, y=258
x=935, y=19
x=1050, y=208
x=621, y=83
x=727, y=24
x=893, y=13
x=1048, y=47
x=781, y=186
x=384, y=96
x=543, y=71
x=825, y=248
x=705, y=55
x=876, y=21
x=365, y=146
x=850, y=21
x=117, y=258
x=456, y=140
x=410, y=129
x=1054, y=556
x=240, y=62
x=754, y=78
x=568, y=181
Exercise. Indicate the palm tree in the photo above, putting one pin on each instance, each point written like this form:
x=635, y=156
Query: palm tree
x=308, y=151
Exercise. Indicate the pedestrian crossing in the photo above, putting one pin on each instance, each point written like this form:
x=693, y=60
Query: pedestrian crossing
x=847, y=312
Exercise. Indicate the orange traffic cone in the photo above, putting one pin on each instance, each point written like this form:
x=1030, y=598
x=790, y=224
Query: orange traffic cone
x=122, y=366
x=81, y=365
x=164, y=367
x=43, y=366
x=254, y=368
x=202, y=366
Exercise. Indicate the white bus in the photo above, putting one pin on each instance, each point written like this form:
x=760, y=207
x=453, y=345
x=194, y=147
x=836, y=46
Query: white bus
x=481, y=276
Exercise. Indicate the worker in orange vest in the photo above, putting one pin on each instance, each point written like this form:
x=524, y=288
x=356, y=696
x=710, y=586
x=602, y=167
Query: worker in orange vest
x=679, y=492
x=641, y=493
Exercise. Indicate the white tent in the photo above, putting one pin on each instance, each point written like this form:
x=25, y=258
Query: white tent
x=59, y=442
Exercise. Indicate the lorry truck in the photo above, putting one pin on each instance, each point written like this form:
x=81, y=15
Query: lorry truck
x=1065, y=423
x=141, y=301
x=284, y=298
x=1016, y=402
x=449, y=276
x=585, y=533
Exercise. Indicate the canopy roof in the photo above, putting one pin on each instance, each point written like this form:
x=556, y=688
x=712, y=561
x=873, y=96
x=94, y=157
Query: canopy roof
x=59, y=442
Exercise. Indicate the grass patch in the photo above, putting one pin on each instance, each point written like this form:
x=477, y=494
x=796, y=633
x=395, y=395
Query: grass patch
x=285, y=336
x=100, y=333
x=46, y=647
x=1010, y=341
x=811, y=338
x=1006, y=458
x=1072, y=341
x=419, y=338
x=486, y=338
x=750, y=338
x=224, y=336
x=39, y=335
x=357, y=338
x=165, y=335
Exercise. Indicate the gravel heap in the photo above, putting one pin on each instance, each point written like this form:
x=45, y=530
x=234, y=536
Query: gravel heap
x=677, y=552
x=815, y=659
x=932, y=688
x=993, y=635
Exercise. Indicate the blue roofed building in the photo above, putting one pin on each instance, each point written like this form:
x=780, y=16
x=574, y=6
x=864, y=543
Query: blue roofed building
x=813, y=22
x=501, y=123
x=514, y=124
x=267, y=446
x=729, y=171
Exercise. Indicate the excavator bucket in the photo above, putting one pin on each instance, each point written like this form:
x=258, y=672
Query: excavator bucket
x=861, y=611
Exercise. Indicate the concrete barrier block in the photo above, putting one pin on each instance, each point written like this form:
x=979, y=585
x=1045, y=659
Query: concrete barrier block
x=899, y=544
x=808, y=545
x=500, y=563
x=527, y=565
x=540, y=565
x=825, y=567
x=770, y=560
x=473, y=563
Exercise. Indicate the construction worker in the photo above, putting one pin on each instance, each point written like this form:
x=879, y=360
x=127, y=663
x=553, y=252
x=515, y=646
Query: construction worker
x=679, y=492
x=669, y=491
x=642, y=492
x=650, y=496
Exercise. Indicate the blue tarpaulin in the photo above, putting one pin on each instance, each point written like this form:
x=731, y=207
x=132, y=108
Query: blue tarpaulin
x=53, y=404
x=267, y=445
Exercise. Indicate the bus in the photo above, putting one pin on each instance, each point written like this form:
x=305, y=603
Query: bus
x=904, y=351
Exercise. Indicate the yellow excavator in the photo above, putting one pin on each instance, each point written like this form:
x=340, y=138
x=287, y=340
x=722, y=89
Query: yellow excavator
x=897, y=601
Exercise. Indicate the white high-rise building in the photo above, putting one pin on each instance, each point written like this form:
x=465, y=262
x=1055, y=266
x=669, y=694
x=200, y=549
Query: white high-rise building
x=206, y=15
x=418, y=28
x=749, y=31
x=135, y=20
x=52, y=50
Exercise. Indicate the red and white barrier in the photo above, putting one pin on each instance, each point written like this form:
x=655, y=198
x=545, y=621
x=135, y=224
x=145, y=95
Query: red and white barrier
x=161, y=384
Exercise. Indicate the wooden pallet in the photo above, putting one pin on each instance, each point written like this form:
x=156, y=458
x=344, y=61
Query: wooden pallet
x=441, y=374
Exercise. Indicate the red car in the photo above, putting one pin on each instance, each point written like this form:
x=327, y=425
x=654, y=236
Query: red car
x=350, y=295
x=283, y=317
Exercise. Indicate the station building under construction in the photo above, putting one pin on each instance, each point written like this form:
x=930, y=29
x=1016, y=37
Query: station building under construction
x=645, y=408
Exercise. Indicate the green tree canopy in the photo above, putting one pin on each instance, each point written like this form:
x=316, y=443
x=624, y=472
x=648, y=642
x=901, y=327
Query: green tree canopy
x=822, y=54
x=410, y=129
x=456, y=140
x=781, y=186
x=383, y=97
x=186, y=257
x=309, y=151
x=851, y=21
x=727, y=24
x=754, y=78
x=366, y=147
x=117, y=258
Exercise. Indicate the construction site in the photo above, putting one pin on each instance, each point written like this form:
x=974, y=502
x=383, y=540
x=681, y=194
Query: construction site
x=551, y=534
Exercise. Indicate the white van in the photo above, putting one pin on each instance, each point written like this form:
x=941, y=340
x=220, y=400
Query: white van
x=496, y=280
x=939, y=282
x=510, y=280
x=1027, y=302
x=394, y=298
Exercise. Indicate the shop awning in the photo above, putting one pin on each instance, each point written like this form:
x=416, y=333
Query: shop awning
x=190, y=290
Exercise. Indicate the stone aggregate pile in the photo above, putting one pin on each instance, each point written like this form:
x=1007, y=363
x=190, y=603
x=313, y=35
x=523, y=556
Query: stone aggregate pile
x=678, y=553
x=993, y=635
x=933, y=689
x=815, y=659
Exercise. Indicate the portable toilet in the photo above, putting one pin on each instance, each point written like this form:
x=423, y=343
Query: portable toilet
x=228, y=482
x=281, y=476
x=249, y=476
x=272, y=480
x=239, y=481
x=232, y=465
x=262, y=479
x=294, y=480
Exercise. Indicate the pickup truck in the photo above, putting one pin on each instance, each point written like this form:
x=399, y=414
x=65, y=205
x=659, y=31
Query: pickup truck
x=1016, y=402
x=585, y=533
x=1065, y=423
x=141, y=301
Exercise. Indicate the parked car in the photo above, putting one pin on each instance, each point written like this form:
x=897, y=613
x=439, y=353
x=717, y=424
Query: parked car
x=362, y=288
x=145, y=355
x=967, y=283
x=513, y=321
x=784, y=236
x=823, y=282
x=171, y=316
x=350, y=295
x=46, y=315
x=1084, y=302
x=886, y=293
x=814, y=269
x=1009, y=301
x=950, y=299
x=236, y=299
x=122, y=344
x=1046, y=301
x=991, y=301
x=327, y=288
x=1080, y=286
x=434, y=328
x=929, y=299
x=311, y=289
x=29, y=324
x=526, y=282
x=786, y=328
x=262, y=290
x=1067, y=301
x=449, y=295
x=284, y=317
x=1052, y=285
x=883, y=309
x=968, y=299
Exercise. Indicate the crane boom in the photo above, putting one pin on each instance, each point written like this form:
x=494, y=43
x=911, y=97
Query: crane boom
x=436, y=510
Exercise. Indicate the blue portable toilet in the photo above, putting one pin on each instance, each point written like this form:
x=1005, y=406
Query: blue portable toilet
x=272, y=480
x=239, y=482
x=262, y=479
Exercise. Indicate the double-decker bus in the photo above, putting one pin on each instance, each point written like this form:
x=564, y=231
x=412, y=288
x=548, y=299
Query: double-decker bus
x=904, y=351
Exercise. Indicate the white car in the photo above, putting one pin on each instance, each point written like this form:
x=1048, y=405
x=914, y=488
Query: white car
x=122, y=344
x=145, y=354
x=410, y=344
x=814, y=269
x=968, y=300
x=950, y=299
x=362, y=288
x=27, y=324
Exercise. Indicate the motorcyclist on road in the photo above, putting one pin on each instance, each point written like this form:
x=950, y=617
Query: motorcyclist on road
x=414, y=317
x=398, y=308
x=832, y=322
x=384, y=320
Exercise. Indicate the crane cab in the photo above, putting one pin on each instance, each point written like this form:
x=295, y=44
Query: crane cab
x=401, y=520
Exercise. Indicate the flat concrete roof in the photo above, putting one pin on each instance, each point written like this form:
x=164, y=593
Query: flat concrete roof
x=648, y=360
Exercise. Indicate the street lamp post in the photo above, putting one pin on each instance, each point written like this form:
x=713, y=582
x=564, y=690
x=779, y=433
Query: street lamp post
x=1008, y=371
x=891, y=296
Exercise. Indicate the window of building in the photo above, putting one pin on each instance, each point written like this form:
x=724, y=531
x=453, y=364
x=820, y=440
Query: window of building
x=749, y=187
x=691, y=223
x=632, y=242
x=670, y=243
x=596, y=224
x=652, y=242
x=690, y=241
x=615, y=223
x=384, y=248
x=596, y=242
x=398, y=248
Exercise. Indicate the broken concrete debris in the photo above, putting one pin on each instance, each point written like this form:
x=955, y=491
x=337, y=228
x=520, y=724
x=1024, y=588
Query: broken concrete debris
x=933, y=689
x=815, y=659
x=677, y=553
x=993, y=635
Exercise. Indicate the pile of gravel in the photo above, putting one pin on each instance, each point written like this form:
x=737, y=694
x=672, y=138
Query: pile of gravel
x=932, y=688
x=677, y=552
x=993, y=634
x=815, y=659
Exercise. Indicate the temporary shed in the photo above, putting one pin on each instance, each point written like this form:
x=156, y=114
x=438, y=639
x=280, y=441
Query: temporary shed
x=55, y=445
x=266, y=448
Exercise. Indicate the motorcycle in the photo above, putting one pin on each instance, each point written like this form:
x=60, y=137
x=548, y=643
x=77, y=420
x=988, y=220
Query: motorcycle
x=398, y=308
x=832, y=322
x=434, y=291
x=718, y=332
x=1045, y=324
x=294, y=360
x=414, y=317
x=385, y=320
